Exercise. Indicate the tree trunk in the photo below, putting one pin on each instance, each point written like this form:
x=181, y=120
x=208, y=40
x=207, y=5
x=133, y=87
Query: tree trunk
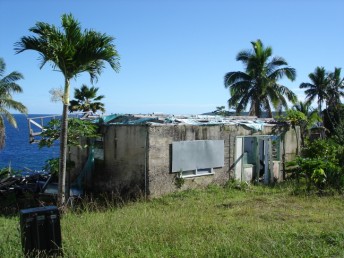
x=63, y=190
x=319, y=110
x=257, y=108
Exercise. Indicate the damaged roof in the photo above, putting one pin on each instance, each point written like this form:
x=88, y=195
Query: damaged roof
x=158, y=119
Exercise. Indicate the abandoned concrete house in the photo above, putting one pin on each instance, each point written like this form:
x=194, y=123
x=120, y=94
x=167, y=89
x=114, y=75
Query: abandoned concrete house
x=148, y=154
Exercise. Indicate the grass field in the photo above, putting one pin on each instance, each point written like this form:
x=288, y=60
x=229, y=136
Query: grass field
x=255, y=221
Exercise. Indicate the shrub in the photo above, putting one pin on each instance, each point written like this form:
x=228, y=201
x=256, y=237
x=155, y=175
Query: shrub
x=321, y=165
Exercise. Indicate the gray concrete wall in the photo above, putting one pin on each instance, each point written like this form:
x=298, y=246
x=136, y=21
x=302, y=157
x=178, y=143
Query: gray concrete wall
x=290, y=143
x=160, y=178
x=124, y=163
x=79, y=156
x=137, y=158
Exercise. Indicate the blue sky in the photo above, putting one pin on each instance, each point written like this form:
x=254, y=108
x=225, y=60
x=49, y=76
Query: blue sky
x=174, y=54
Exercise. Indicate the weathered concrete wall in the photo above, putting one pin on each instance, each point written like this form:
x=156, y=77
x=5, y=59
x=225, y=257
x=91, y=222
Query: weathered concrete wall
x=290, y=143
x=124, y=160
x=162, y=181
x=79, y=156
x=137, y=158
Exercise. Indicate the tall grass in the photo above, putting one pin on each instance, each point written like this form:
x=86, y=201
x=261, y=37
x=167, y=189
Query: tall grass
x=216, y=222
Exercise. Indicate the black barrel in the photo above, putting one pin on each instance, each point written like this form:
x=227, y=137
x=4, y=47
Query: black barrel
x=40, y=231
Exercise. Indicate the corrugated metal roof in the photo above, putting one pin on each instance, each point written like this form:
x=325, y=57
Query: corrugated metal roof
x=129, y=119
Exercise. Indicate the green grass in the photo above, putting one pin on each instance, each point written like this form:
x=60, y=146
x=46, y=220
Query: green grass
x=215, y=222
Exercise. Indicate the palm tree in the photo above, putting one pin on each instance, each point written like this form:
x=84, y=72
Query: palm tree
x=318, y=88
x=332, y=113
x=335, y=88
x=71, y=51
x=305, y=108
x=8, y=86
x=311, y=115
x=257, y=86
x=86, y=100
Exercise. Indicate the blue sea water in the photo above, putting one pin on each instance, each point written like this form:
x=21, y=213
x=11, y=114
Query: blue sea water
x=19, y=153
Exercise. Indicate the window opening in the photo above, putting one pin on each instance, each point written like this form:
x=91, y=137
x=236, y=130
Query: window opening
x=197, y=158
x=197, y=172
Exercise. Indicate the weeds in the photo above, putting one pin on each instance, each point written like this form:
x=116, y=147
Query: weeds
x=254, y=221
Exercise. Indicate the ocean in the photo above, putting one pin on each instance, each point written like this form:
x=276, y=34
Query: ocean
x=19, y=153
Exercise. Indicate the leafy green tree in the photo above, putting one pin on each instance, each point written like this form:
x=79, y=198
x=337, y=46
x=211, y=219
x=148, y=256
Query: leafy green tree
x=77, y=131
x=86, y=100
x=338, y=133
x=311, y=118
x=332, y=118
x=8, y=86
x=326, y=155
x=310, y=113
x=52, y=165
x=71, y=51
x=321, y=164
x=318, y=88
x=258, y=85
x=221, y=111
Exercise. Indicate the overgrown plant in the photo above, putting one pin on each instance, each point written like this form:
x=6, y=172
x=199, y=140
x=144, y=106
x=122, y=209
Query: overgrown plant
x=334, y=123
x=52, y=165
x=4, y=172
x=179, y=181
x=320, y=164
x=77, y=129
x=236, y=184
x=311, y=115
x=305, y=168
x=319, y=178
x=8, y=171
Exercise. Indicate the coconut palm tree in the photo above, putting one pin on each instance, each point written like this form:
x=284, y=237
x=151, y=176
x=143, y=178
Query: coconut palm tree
x=311, y=115
x=305, y=108
x=71, y=51
x=318, y=88
x=86, y=100
x=333, y=112
x=335, y=88
x=8, y=86
x=258, y=85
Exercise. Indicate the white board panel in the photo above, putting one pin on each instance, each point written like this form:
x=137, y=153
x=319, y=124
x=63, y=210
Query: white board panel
x=191, y=155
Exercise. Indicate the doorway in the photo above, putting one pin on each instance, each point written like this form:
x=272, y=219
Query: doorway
x=257, y=158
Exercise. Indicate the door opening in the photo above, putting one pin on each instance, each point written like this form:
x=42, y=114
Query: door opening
x=257, y=158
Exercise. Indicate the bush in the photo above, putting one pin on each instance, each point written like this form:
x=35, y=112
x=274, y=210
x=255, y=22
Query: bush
x=4, y=172
x=321, y=165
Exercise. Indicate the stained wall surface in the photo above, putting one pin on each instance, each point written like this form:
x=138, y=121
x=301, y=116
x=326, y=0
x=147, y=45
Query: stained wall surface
x=124, y=165
x=138, y=158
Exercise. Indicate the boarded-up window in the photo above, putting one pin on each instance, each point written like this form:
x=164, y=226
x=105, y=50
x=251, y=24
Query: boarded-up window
x=193, y=155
